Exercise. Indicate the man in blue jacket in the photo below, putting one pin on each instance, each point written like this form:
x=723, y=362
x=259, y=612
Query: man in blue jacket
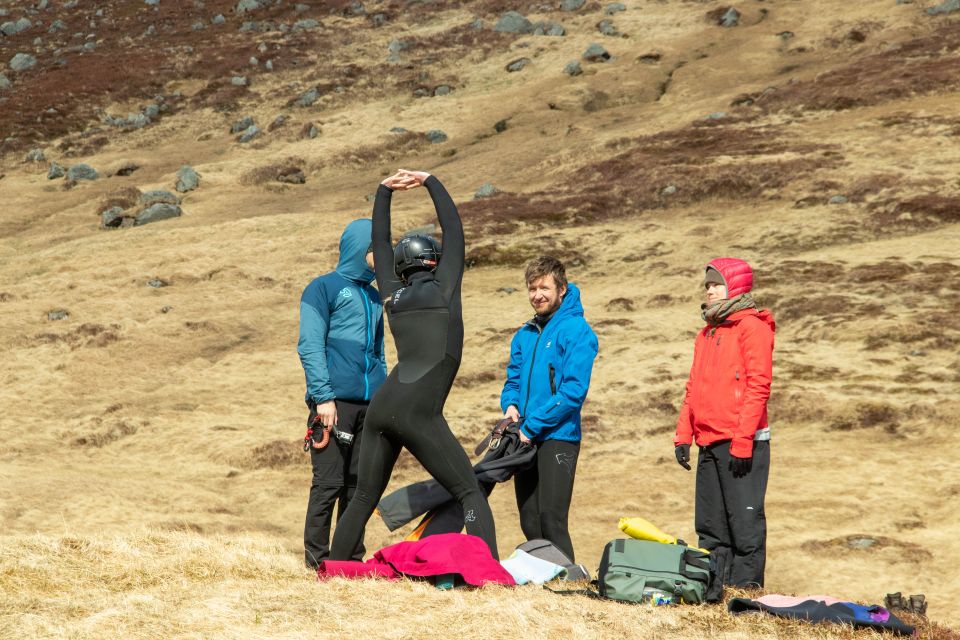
x=341, y=349
x=551, y=359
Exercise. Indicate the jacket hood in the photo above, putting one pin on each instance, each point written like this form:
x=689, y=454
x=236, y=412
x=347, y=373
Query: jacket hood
x=763, y=315
x=736, y=273
x=354, y=244
x=570, y=306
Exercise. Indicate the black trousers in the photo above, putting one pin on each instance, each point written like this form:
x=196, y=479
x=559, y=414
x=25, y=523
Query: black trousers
x=544, y=492
x=730, y=518
x=411, y=415
x=334, y=482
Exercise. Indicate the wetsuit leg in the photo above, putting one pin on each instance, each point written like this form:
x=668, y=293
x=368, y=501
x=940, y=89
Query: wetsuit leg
x=350, y=416
x=442, y=455
x=378, y=455
x=557, y=463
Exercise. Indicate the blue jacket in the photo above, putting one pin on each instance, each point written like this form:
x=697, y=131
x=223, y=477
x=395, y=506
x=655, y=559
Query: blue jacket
x=549, y=372
x=341, y=326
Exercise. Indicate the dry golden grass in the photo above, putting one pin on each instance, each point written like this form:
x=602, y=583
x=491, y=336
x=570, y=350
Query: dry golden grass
x=150, y=480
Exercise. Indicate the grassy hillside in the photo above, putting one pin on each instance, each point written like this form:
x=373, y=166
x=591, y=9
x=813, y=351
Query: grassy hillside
x=154, y=431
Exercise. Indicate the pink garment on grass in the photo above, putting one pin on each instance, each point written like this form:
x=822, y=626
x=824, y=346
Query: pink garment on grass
x=437, y=555
x=777, y=600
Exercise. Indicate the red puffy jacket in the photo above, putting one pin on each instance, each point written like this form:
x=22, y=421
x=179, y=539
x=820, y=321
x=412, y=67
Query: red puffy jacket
x=729, y=383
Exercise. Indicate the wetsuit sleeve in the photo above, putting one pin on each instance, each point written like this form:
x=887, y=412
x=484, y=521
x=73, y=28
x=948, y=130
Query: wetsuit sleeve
x=387, y=281
x=450, y=269
x=511, y=388
x=684, y=434
x=576, y=367
x=312, y=346
x=756, y=347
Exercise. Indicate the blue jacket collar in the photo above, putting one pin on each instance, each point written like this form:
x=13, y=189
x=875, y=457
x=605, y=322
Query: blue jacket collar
x=570, y=307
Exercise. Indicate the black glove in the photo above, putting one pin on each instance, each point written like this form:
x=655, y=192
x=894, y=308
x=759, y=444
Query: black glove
x=740, y=466
x=683, y=455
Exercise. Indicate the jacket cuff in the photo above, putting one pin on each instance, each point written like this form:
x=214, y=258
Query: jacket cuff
x=678, y=440
x=741, y=447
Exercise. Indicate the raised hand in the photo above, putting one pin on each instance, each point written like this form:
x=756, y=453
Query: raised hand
x=419, y=177
x=400, y=182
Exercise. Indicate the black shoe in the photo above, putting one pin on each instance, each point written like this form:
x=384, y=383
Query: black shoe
x=895, y=601
x=918, y=604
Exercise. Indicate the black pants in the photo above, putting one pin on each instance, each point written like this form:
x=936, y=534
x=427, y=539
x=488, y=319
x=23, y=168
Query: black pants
x=544, y=492
x=334, y=482
x=410, y=415
x=730, y=518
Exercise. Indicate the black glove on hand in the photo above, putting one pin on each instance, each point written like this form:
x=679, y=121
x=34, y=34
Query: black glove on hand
x=740, y=466
x=683, y=455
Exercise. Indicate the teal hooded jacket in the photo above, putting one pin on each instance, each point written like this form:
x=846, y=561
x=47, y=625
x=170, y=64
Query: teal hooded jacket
x=341, y=326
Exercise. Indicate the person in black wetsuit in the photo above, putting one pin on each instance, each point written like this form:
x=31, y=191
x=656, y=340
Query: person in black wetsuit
x=422, y=297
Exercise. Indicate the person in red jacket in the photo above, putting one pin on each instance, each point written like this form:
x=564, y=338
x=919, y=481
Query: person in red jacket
x=725, y=412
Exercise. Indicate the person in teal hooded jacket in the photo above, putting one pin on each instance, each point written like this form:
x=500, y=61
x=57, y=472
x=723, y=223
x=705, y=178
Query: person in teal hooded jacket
x=551, y=360
x=341, y=350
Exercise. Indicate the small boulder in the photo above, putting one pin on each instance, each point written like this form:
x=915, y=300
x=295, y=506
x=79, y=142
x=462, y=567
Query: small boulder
x=22, y=62
x=82, y=172
x=35, y=155
x=112, y=218
x=292, y=175
x=436, y=136
x=251, y=132
x=517, y=65
x=717, y=115
x=839, y=199
x=573, y=68
x=4, y=82
x=57, y=25
x=187, y=179
x=307, y=98
x=157, y=283
x=218, y=19
x=239, y=81
x=948, y=6
x=277, y=123
x=549, y=29
x=513, y=22
x=241, y=125
x=596, y=53
x=247, y=5
x=486, y=190
x=306, y=24
x=606, y=28
x=571, y=5
x=669, y=190
x=157, y=196
x=731, y=18
x=443, y=90
x=157, y=212
x=309, y=131
x=55, y=171
x=614, y=7
x=58, y=314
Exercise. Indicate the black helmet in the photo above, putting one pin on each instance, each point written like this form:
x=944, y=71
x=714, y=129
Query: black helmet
x=415, y=253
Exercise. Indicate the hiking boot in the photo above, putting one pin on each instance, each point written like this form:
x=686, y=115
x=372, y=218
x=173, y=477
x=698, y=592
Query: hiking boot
x=918, y=604
x=895, y=601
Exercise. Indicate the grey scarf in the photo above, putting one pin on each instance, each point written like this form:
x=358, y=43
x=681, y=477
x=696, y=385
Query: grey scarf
x=718, y=312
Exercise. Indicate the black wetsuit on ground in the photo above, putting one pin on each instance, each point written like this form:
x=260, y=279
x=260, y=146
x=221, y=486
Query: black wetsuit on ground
x=427, y=325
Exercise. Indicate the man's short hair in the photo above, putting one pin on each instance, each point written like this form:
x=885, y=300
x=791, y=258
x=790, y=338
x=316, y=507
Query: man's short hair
x=546, y=265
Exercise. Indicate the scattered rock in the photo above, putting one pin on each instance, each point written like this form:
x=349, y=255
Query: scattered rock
x=166, y=309
x=549, y=29
x=307, y=98
x=606, y=28
x=356, y=8
x=278, y=122
x=500, y=126
x=397, y=130
x=669, y=190
x=309, y=131
x=241, y=125
x=948, y=6
x=292, y=175
x=507, y=290
x=218, y=19
x=187, y=179
x=112, y=218
x=152, y=3
x=35, y=155
x=22, y=62
x=571, y=5
x=301, y=7
x=157, y=283
x=157, y=196
x=13, y=28
x=486, y=190
x=247, y=5
x=4, y=82
x=251, y=132
x=731, y=18
x=199, y=25
x=436, y=136
x=82, y=172
x=596, y=53
x=717, y=115
x=573, y=68
x=378, y=20
x=517, y=65
x=239, y=81
x=303, y=25
x=614, y=7
x=57, y=25
x=513, y=22
x=839, y=199
x=861, y=542
x=55, y=171
x=58, y=314
x=157, y=212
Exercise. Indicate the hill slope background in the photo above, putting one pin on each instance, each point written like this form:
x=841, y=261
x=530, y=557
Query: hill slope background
x=819, y=141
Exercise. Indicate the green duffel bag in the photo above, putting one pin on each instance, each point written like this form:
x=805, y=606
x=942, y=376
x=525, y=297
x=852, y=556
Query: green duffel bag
x=644, y=571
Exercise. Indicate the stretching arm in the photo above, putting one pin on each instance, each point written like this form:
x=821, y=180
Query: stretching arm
x=387, y=281
x=450, y=270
